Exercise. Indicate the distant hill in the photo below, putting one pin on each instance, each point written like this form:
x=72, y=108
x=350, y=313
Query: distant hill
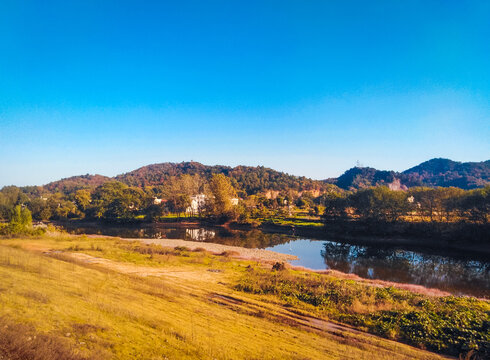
x=251, y=179
x=361, y=177
x=75, y=183
x=434, y=172
x=445, y=172
x=259, y=179
x=157, y=174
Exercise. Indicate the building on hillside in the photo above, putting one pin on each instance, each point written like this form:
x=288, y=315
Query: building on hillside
x=198, y=202
x=396, y=185
x=157, y=201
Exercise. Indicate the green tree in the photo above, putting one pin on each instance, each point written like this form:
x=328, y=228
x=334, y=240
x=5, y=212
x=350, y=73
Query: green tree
x=336, y=205
x=115, y=200
x=39, y=208
x=10, y=197
x=103, y=198
x=60, y=207
x=153, y=211
x=20, y=220
x=476, y=204
x=379, y=203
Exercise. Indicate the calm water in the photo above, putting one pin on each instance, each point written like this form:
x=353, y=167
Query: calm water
x=459, y=274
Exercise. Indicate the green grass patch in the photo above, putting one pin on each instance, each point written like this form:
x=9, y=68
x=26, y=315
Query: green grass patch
x=451, y=325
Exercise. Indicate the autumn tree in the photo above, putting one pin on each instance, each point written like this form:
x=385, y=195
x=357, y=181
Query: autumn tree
x=222, y=191
x=83, y=199
x=178, y=203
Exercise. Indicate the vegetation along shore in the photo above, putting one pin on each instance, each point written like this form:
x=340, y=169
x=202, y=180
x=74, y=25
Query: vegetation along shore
x=421, y=203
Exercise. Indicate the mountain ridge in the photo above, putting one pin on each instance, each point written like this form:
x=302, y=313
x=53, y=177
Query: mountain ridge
x=254, y=179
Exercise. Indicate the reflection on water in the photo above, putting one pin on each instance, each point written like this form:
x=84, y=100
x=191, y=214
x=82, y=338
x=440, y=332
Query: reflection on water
x=456, y=274
x=248, y=239
x=200, y=234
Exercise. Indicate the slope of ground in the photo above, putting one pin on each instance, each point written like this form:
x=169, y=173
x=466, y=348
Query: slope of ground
x=181, y=308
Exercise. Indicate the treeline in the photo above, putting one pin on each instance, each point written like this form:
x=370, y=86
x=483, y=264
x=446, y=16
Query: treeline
x=116, y=201
x=95, y=197
x=419, y=204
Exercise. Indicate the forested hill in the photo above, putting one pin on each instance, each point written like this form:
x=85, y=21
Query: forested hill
x=74, y=183
x=259, y=179
x=250, y=179
x=431, y=173
x=445, y=172
x=361, y=177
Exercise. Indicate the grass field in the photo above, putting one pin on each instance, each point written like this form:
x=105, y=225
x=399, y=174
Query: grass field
x=75, y=297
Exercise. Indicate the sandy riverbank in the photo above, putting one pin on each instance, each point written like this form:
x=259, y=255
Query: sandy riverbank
x=242, y=253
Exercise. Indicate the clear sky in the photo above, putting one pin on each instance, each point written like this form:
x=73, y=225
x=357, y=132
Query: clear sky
x=306, y=87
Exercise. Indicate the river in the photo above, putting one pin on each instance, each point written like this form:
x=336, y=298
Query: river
x=457, y=273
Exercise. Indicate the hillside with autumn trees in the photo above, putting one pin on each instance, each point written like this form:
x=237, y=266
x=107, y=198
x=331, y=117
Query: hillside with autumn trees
x=260, y=195
x=253, y=180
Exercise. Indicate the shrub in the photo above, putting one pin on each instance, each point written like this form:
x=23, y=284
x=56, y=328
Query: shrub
x=278, y=266
x=20, y=342
x=229, y=253
x=20, y=223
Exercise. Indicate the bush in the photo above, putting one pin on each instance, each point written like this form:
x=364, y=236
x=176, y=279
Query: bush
x=20, y=223
x=278, y=266
x=22, y=342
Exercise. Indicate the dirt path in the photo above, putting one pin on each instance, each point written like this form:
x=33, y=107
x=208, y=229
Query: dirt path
x=180, y=273
x=242, y=253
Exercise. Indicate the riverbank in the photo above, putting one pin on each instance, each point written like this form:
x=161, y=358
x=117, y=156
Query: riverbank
x=92, y=293
x=272, y=257
x=449, y=239
x=261, y=255
x=101, y=298
x=400, y=280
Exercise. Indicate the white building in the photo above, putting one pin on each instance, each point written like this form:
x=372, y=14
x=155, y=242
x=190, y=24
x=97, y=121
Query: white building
x=197, y=204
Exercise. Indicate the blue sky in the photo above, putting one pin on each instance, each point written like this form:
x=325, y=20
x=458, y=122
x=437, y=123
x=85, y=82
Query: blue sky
x=306, y=87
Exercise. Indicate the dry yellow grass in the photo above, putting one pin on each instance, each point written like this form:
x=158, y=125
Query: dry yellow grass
x=173, y=307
